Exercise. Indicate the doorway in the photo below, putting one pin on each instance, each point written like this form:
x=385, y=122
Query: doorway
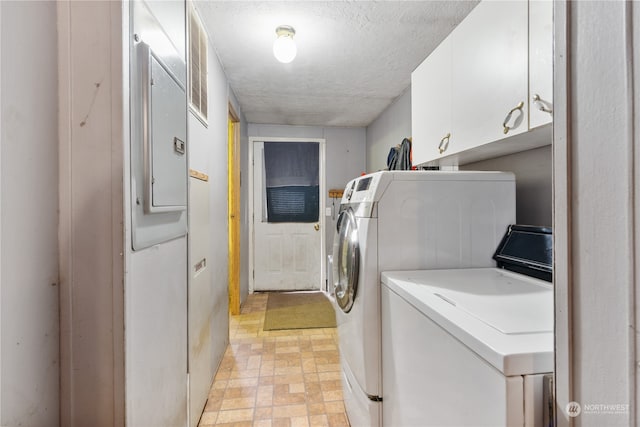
x=286, y=210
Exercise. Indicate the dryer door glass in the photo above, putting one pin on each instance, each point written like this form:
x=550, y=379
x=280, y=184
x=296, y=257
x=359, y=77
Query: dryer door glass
x=346, y=260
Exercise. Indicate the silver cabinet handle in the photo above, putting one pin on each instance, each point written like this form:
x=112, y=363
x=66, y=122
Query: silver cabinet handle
x=444, y=143
x=518, y=107
x=543, y=106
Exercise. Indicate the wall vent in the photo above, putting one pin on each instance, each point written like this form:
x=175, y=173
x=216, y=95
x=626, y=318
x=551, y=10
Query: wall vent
x=198, y=42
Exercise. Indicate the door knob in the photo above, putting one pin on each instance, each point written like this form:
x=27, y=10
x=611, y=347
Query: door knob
x=316, y=227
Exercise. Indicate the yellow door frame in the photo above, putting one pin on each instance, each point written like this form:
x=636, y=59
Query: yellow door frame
x=233, y=170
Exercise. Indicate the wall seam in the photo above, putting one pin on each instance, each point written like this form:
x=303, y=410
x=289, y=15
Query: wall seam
x=65, y=213
x=118, y=37
x=633, y=209
x=1, y=192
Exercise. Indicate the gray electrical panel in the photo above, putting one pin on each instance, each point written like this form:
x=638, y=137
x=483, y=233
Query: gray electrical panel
x=165, y=144
x=159, y=170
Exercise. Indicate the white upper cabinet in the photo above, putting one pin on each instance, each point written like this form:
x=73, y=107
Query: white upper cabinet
x=472, y=94
x=540, y=62
x=490, y=73
x=431, y=104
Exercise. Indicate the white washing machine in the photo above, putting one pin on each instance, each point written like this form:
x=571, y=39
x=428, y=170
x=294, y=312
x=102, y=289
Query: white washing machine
x=396, y=220
x=470, y=347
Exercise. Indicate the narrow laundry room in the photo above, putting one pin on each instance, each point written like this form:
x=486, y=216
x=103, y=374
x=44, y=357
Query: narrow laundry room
x=319, y=213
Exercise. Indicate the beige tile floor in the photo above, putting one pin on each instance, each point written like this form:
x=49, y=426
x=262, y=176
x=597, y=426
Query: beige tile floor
x=276, y=378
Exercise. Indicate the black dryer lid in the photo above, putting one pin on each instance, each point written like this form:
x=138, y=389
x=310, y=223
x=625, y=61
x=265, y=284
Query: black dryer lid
x=527, y=250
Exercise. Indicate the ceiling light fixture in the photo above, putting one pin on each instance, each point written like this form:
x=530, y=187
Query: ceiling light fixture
x=284, y=48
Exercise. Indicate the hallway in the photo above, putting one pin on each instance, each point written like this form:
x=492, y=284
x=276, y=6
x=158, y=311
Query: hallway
x=287, y=378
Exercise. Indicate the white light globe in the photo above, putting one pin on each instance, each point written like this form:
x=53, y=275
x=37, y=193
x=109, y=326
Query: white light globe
x=284, y=49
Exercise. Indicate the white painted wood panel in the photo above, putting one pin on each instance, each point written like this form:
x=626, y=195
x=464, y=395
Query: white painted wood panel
x=156, y=336
x=91, y=235
x=1, y=180
x=210, y=141
x=595, y=211
x=562, y=232
x=201, y=370
x=601, y=222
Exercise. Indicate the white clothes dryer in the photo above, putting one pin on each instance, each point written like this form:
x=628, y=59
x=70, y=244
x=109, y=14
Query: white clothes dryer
x=405, y=220
x=466, y=347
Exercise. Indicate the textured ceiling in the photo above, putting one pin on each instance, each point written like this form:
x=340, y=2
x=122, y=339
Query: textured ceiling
x=354, y=57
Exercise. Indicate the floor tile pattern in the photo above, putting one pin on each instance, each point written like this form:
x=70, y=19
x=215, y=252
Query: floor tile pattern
x=287, y=378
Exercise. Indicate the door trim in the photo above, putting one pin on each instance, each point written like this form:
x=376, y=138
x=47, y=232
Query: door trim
x=321, y=216
x=233, y=209
x=562, y=216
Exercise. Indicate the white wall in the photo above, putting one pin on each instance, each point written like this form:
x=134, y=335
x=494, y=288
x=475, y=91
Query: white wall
x=156, y=277
x=156, y=335
x=344, y=154
x=388, y=130
x=104, y=284
x=534, y=173
x=209, y=155
x=29, y=358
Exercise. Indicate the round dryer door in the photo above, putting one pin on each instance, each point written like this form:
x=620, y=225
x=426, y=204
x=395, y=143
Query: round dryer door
x=346, y=259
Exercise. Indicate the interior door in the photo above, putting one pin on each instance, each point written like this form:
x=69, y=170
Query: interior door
x=287, y=237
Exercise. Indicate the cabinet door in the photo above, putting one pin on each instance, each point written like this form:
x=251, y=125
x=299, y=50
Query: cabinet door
x=489, y=57
x=431, y=103
x=540, y=62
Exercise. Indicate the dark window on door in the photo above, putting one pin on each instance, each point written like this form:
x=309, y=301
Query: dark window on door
x=291, y=178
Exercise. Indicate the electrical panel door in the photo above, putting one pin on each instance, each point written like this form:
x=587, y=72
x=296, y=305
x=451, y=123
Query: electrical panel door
x=167, y=161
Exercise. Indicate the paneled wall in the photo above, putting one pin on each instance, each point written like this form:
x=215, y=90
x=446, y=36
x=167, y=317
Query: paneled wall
x=138, y=374
x=156, y=280
x=91, y=232
x=208, y=145
x=29, y=285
